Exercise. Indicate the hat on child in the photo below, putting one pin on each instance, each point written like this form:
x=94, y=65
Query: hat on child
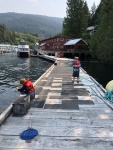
x=76, y=57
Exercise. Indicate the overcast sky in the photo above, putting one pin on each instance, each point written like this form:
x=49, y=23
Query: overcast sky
x=54, y=8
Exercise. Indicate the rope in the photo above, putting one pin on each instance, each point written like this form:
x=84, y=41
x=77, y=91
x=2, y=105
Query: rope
x=107, y=95
x=90, y=84
x=69, y=65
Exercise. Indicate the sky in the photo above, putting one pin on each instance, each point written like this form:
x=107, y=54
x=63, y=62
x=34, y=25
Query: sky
x=53, y=8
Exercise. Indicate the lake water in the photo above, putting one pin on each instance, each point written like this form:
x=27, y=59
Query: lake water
x=12, y=68
x=103, y=73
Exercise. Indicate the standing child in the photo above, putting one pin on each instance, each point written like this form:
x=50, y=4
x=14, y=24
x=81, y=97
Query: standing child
x=27, y=88
x=76, y=69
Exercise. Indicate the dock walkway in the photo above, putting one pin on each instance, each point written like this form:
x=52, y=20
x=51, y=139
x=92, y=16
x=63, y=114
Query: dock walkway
x=68, y=116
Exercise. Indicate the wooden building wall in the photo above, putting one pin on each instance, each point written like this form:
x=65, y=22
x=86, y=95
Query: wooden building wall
x=56, y=43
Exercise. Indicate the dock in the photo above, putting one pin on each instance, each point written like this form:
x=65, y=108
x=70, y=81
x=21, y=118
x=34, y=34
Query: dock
x=68, y=116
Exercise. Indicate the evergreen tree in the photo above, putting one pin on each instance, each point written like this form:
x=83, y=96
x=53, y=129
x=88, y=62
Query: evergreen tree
x=9, y=37
x=77, y=17
x=85, y=17
x=104, y=36
x=93, y=10
x=95, y=16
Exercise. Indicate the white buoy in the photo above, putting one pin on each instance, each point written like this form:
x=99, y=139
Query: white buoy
x=109, y=86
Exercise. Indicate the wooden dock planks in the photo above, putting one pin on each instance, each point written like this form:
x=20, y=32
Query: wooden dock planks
x=68, y=116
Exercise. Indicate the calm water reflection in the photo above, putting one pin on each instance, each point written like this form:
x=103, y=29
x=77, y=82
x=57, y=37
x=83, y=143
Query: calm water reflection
x=12, y=69
x=103, y=73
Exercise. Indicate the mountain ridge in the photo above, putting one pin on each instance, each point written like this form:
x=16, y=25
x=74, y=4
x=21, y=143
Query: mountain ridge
x=44, y=26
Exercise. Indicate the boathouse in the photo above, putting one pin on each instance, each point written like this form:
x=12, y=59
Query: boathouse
x=44, y=46
x=77, y=47
x=7, y=48
x=4, y=47
x=54, y=45
x=69, y=47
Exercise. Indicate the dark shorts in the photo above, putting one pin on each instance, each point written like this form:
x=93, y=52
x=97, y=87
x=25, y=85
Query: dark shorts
x=32, y=95
x=75, y=74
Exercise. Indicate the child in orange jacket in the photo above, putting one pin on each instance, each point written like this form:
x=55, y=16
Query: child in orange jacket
x=76, y=69
x=27, y=87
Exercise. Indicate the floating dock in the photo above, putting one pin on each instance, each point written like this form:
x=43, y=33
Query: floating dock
x=68, y=116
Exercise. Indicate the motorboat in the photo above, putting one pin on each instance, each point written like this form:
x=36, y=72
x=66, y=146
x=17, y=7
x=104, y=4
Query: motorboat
x=23, y=49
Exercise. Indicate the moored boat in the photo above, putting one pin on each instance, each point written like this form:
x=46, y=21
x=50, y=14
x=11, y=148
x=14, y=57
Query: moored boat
x=23, y=49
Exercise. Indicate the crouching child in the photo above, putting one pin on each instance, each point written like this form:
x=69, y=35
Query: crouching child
x=27, y=88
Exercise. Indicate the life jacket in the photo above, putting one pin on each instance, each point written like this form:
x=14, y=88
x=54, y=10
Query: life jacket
x=76, y=62
x=28, y=85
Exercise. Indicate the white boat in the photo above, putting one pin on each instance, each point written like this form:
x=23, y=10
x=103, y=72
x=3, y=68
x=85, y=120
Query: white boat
x=23, y=49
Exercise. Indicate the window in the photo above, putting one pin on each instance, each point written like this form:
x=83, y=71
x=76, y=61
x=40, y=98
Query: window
x=67, y=40
x=61, y=47
x=61, y=39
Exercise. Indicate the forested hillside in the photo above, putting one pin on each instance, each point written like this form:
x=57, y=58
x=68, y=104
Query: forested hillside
x=9, y=37
x=102, y=41
x=43, y=26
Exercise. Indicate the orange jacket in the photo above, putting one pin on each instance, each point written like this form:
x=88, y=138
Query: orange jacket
x=76, y=63
x=27, y=86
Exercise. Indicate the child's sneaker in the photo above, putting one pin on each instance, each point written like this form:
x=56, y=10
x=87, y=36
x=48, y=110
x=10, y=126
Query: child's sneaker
x=77, y=81
x=72, y=81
